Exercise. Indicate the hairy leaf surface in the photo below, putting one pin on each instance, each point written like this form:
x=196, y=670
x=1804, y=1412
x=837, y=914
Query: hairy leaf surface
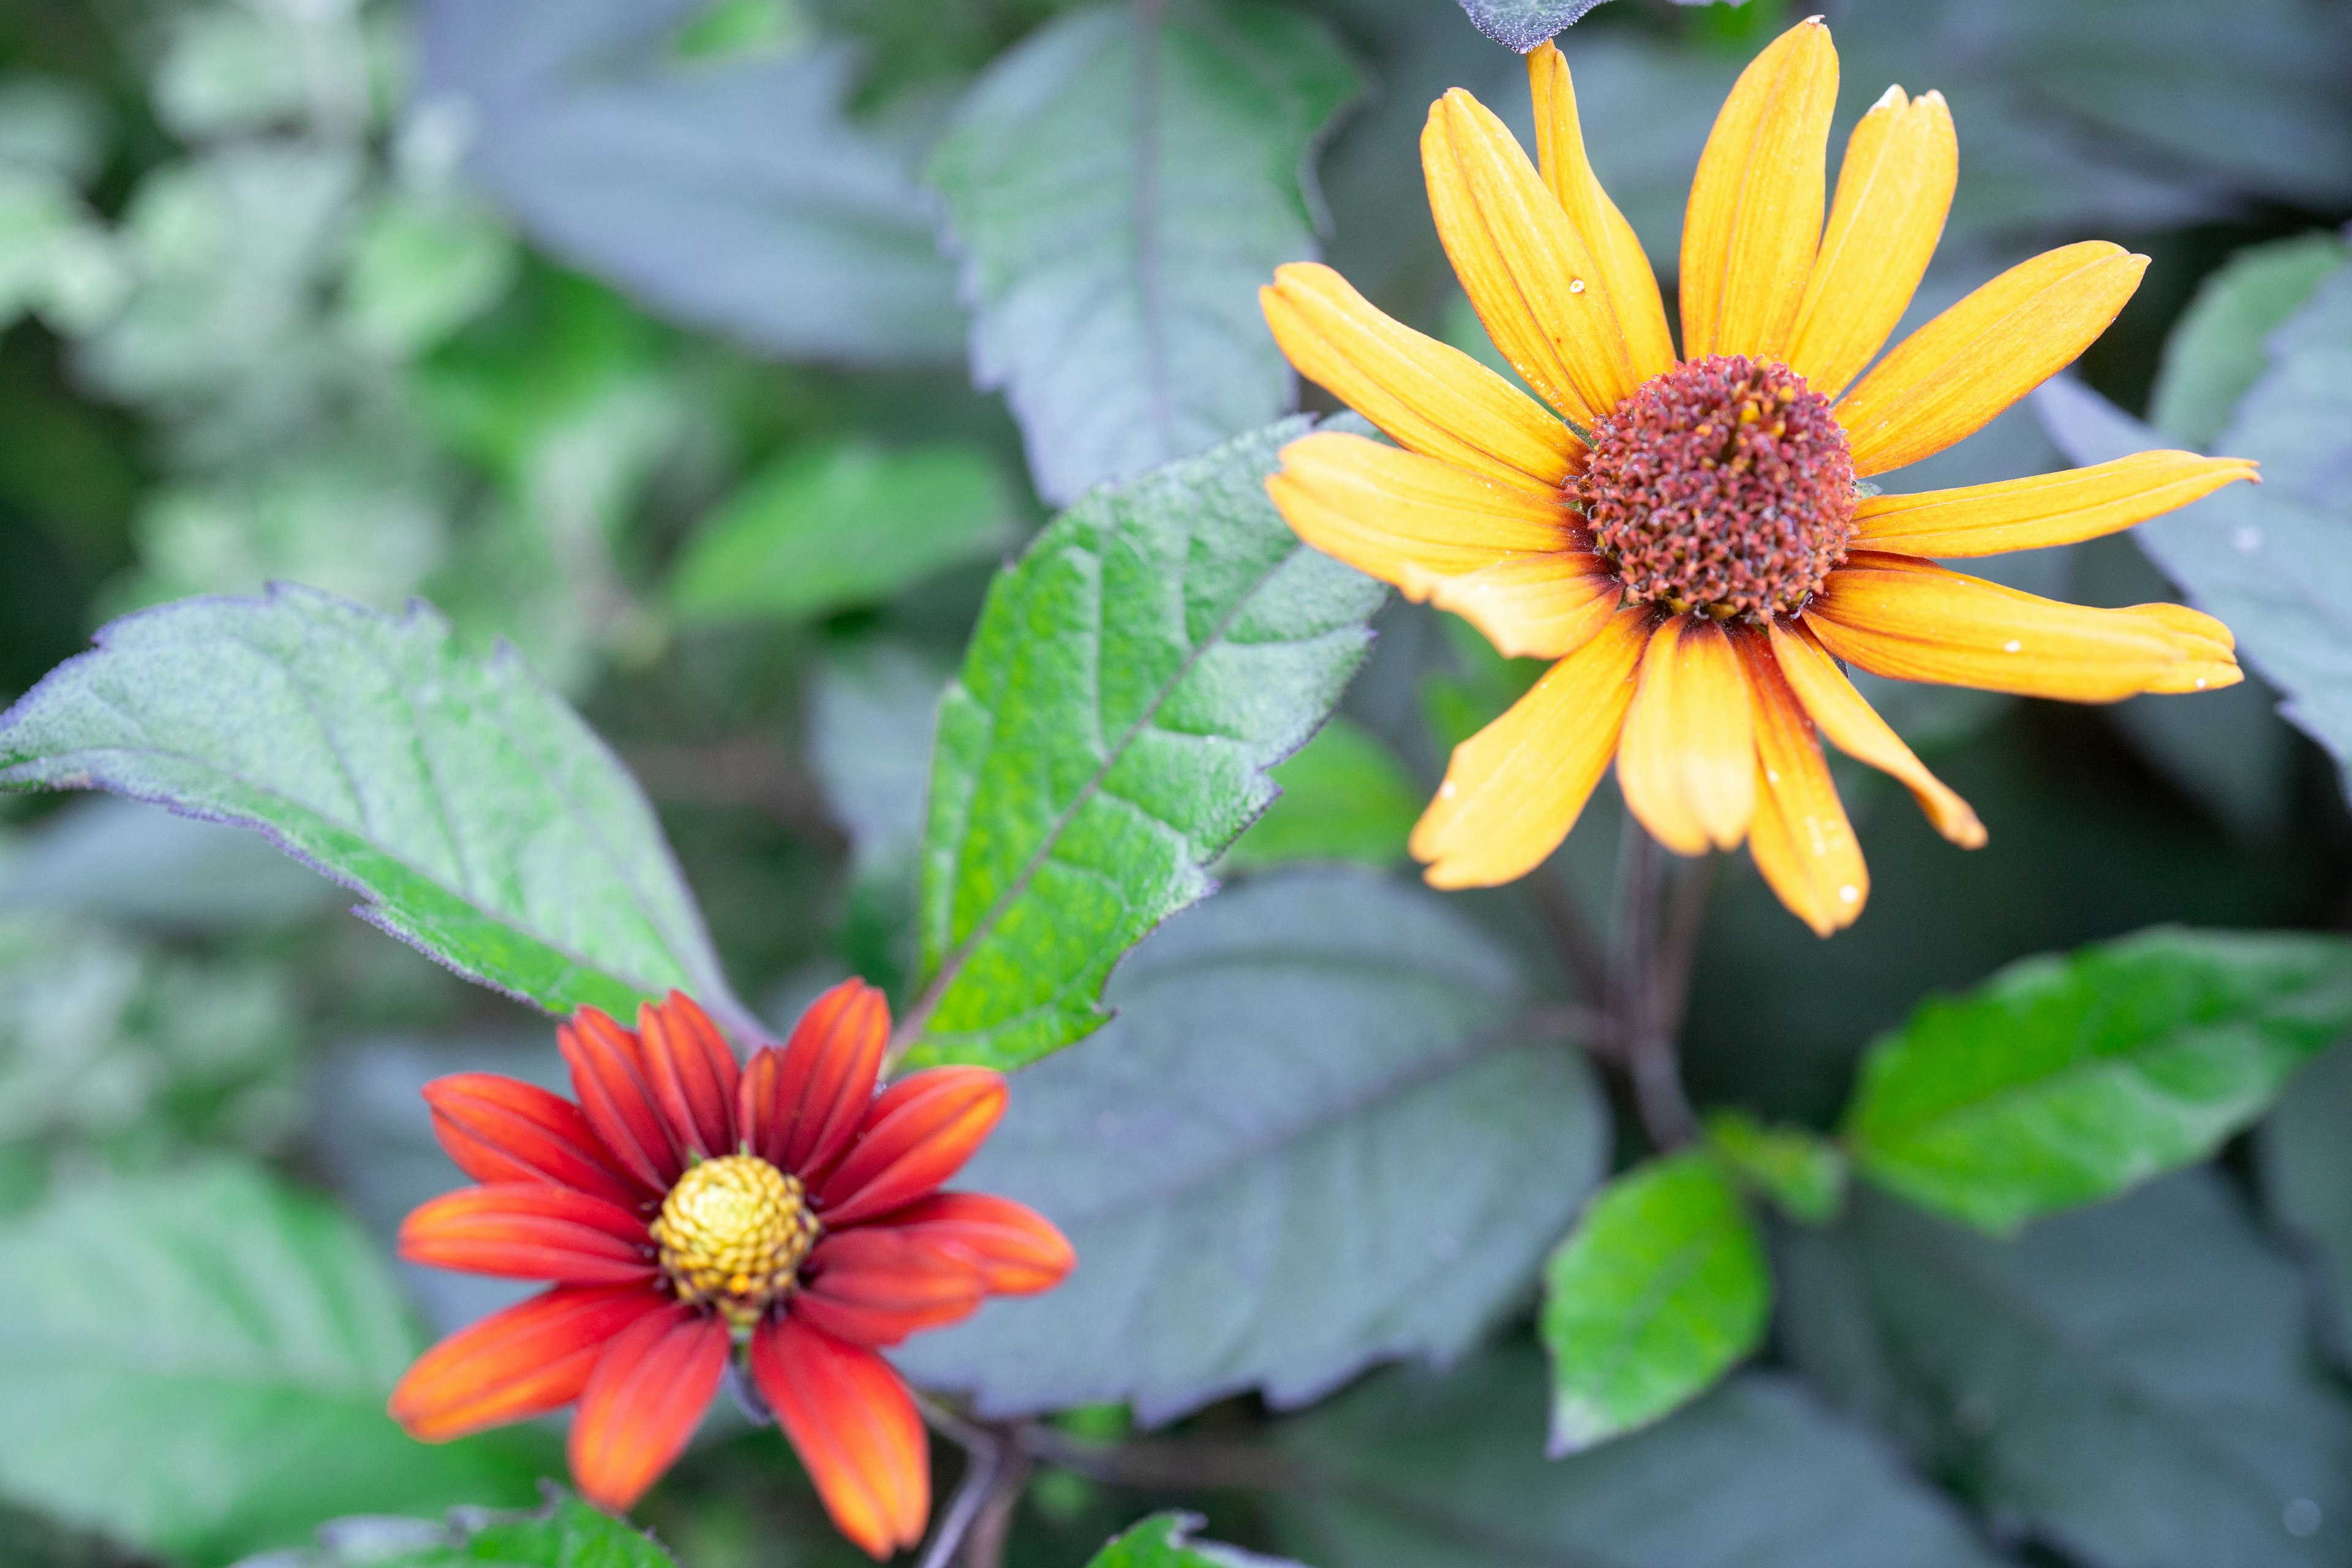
x=566, y=1533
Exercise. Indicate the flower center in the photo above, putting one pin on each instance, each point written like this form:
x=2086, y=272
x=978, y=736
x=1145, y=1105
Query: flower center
x=1723, y=485
x=731, y=1234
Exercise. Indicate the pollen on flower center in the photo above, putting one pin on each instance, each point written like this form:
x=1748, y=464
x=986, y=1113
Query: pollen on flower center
x=1723, y=485
x=732, y=1232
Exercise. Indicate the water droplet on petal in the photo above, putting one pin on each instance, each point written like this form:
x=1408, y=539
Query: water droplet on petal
x=1576, y=285
x=2011, y=646
x=1445, y=790
x=1849, y=893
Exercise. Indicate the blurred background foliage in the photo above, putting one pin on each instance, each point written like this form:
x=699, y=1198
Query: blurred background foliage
x=622, y=331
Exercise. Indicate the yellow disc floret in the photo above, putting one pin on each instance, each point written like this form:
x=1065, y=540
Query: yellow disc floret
x=731, y=1234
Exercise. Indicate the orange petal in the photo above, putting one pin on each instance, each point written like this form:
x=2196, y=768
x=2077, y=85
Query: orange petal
x=855, y=1428
x=876, y=1284
x=530, y=1230
x=1514, y=789
x=1913, y=620
x=531, y=1358
x=1755, y=216
x=1892, y=192
x=1018, y=1250
x=1404, y=517
x=692, y=1073
x=643, y=1401
x=1948, y=379
x=2034, y=513
x=1800, y=838
x=800, y=1105
x=1854, y=727
x=914, y=1138
x=607, y=1065
x=1429, y=396
x=1528, y=275
x=1617, y=258
x=1534, y=606
x=503, y=1129
x=1686, y=762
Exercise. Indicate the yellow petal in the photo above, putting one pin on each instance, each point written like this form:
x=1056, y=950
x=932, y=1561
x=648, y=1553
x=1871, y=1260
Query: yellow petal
x=1687, y=761
x=1893, y=192
x=1533, y=606
x=1949, y=378
x=1755, y=216
x=1801, y=838
x=1913, y=620
x=2053, y=509
x=1431, y=397
x=1526, y=271
x=1854, y=727
x=1515, y=788
x=1402, y=517
x=1617, y=256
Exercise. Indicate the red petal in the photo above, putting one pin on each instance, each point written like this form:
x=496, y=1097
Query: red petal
x=875, y=1286
x=801, y=1105
x=523, y=1362
x=855, y=1428
x=530, y=1230
x=502, y=1129
x=691, y=1071
x=643, y=1402
x=1018, y=1250
x=606, y=1074
x=915, y=1137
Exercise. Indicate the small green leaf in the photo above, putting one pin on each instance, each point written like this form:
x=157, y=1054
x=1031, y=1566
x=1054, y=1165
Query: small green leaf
x=1133, y=675
x=1802, y=1174
x=421, y=269
x=1658, y=1291
x=566, y=1533
x=1344, y=797
x=2219, y=348
x=197, y=1362
x=2066, y=1079
x=842, y=525
x=476, y=813
x=1165, y=1541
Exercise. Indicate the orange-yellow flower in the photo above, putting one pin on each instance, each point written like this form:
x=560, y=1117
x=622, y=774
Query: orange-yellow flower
x=687, y=1211
x=1685, y=536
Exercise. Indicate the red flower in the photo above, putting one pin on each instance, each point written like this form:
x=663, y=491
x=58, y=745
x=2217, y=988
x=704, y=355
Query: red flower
x=686, y=1210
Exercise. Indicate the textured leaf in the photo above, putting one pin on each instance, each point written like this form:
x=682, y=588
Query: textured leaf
x=1418, y=1471
x=1345, y=796
x=2304, y=1154
x=198, y=1362
x=1521, y=25
x=1165, y=1541
x=840, y=526
x=2064, y=1080
x=1154, y=651
x=2217, y=350
x=1119, y=185
x=1660, y=1289
x=1319, y=1134
x=732, y=195
x=566, y=1533
x=478, y=815
x=2131, y=1383
x=1802, y=1174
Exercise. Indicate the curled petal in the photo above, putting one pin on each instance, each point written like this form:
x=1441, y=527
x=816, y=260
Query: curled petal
x=643, y=1402
x=1800, y=838
x=2035, y=513
x=855, y=1428
x=530, y=1230
x=801, y=1104
x=608, y=1074
x=1018, y=1250
x=1846, y=717
x=502, y=1129
x=1687, y=761
x=874, y=1285
x=915, y=1137
x=1633, y=287
x=692, y=1073
x=531, y=1358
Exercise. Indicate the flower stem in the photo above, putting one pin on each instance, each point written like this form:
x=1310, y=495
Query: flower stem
x=985, y=1455
x=1657, y=934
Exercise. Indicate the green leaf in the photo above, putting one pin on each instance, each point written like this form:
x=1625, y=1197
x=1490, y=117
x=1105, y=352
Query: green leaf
x=1660, y=1289
x=2217, y=351
x=2130, y=1384
x=1521, y=25
x=2066, y=1079
x=421, y=269
x=481, y=820
x=1802, y=1174
x=197, y=1362
x=1421, y=1470
x=1165, y=1541
x=2304, y=1154
x=1344, y=797
x=566, y=1533
x=1326, y=1129
x=1154, y=651
x=842, y=525
x=1119, y=185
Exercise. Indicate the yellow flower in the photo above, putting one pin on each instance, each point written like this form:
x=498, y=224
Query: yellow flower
x=1685, y=536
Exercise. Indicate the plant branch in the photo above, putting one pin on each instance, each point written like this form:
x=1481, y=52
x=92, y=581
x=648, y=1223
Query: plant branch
x=985, y=1466
x=1579, y=949
x=1653, y=967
